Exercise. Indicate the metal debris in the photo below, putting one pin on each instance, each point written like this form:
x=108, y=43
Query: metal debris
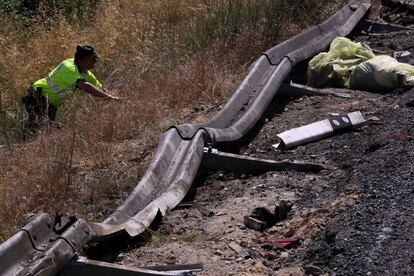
x=265, y=217
x=298, y=90
x=85, y=267
x=316, y=131
x=242, y=164
x=378, y=27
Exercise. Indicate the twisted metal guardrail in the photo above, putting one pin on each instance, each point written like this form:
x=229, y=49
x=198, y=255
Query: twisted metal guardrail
x=163, y=186
x=41, y=249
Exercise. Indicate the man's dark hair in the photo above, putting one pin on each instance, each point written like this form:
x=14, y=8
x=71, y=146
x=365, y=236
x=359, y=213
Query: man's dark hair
x=84, y=50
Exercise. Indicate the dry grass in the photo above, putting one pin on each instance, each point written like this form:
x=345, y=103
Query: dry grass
x=161, y=56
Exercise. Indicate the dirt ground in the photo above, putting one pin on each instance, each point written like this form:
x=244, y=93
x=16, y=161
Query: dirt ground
x=352, y=219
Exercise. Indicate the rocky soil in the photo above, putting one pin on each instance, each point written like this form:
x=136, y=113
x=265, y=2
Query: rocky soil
x=354, y=218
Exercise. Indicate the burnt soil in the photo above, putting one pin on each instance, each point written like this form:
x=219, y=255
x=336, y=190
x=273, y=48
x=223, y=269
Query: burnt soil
x=354, y=218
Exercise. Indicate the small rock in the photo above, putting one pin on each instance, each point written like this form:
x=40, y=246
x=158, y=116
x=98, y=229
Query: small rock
x=290, y=271
x=373, y=118
x=270, y=256
x=289, y=233
x=221, y=176
x=236, y=247
x=284, y=255
x=312, y=269
x=218, y=252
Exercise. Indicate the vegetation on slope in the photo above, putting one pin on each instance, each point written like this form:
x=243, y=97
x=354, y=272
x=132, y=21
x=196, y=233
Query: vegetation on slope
x=161, y=56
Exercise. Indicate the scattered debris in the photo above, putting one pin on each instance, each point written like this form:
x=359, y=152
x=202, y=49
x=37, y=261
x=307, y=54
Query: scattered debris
x=265, y=217
x=368, y=27
x=404, y=56
x=242, y=253
x=235, y=247
x=289, y=233
x=405, y=15
x=84, y=266
x=319, y=130
x=272, y=243
x=373, y=118
x=241, y=164
x=254, y=223
x=377, y=144
x=297, y=90
x=206, y=212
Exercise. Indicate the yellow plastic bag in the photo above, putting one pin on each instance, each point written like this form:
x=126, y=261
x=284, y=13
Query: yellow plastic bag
x=382, y=73
x=332, y=69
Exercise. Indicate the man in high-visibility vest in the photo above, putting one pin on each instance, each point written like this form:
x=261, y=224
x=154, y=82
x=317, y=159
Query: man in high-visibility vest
x=47, y=94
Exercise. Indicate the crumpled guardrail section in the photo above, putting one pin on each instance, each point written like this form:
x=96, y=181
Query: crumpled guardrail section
x=180, y=149
x=37, y=249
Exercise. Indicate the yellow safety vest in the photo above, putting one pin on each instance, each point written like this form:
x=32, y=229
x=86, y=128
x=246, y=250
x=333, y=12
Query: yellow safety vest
x=60, y=83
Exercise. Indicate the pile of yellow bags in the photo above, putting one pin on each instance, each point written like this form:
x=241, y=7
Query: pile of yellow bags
x=354, y=65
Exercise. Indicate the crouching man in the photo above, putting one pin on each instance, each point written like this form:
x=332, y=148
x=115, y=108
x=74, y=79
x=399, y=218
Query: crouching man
x=45, y=95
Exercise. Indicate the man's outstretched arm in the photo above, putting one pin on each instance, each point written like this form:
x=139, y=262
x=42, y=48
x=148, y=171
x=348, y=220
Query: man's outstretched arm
x=93, y=90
